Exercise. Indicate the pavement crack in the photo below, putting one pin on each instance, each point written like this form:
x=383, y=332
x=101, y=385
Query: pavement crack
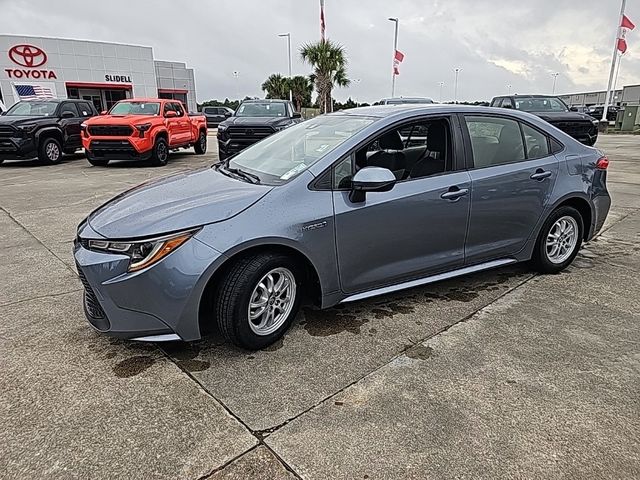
x=51, y=295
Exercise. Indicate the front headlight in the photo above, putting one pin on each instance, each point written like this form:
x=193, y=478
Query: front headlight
x=26, y=130
x=221, y=128
x=144, y=253
x=282, y=127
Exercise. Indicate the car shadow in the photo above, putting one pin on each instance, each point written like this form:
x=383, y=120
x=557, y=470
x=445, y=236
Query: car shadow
x=34, y=162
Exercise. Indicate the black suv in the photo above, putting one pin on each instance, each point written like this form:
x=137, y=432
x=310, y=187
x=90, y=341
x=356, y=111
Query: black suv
x=580, y=126
x=43, y=129
x=253, y=121
x=216, y=115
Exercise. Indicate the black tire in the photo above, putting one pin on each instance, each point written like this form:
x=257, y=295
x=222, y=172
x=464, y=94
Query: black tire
x=160, y=154
x=232, y=297
x=50, y=151
x=98, y=162
x=201, y=145
x=540, y=258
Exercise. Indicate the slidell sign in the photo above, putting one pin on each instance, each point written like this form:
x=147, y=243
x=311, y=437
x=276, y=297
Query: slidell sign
x=30, y=59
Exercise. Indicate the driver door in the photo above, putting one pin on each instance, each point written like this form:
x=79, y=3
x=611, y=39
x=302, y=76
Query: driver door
x=414, y=230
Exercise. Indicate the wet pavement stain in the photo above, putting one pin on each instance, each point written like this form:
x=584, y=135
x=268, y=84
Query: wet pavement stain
x=419, y=352
x=277, y=345
x=461, y=295
x=194, y=365
x=181, y=351
x=132, y=366
x=323, y=323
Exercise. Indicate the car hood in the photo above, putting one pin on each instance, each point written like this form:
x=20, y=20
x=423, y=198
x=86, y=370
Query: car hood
x=120, y=119
x=174, y=203
x=552, y=117
x=254, y=121
x=21, y=120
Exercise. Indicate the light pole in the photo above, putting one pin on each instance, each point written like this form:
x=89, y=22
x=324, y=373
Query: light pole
x=236, y=75
x=395, y=49
x=555, y=77
x=441, y=85
x=509, y=88
x=288, y=35
x=455, y=88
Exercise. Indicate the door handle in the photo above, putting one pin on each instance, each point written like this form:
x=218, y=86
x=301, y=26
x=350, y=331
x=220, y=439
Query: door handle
x=454, y=193
x=540, y=174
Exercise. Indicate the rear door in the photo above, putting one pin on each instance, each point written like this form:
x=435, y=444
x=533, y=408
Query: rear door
x=184, y=132
x=513, y=173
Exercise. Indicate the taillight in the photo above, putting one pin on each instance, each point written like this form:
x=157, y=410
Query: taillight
x=602, y=163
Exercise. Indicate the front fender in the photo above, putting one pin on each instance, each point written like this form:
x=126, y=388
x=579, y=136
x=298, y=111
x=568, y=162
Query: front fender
x=49, y=131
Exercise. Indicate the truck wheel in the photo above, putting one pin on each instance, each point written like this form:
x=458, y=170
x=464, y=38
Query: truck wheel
x=50, y=151
x=258, y=299
x=160, y=155
x=201, y=145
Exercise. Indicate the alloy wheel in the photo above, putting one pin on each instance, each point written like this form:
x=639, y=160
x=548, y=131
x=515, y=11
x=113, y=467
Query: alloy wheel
x=271, y=301
x=562, y=239
x=52, y=151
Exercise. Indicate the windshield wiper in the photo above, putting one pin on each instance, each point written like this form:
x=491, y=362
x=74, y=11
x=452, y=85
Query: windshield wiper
x=250, y=177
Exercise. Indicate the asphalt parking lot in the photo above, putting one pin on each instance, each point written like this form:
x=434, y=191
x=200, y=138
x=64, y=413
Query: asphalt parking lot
x=503, y=374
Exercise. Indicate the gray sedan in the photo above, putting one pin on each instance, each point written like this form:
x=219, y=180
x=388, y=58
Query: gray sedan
x=339, y=208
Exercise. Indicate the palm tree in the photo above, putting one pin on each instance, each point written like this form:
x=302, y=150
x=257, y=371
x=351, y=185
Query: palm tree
x=301, y=88
x=329, y=62
x=276, y=86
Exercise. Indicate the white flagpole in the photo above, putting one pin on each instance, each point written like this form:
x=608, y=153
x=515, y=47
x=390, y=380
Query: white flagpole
x=614, y=59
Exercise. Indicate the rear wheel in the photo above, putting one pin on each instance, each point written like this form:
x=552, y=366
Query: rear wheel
x=50, y=151
x=201, y=145
x=258, y=299
x=160, y=154
x=559, y=240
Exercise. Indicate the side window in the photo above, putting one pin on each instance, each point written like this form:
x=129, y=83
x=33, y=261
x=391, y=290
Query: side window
x=342, y=173
x=69, y=107
x=85, y=109
x=506, y=103
x=494, y=141
x=536, y=142
x=168, y=107
x=178, y=108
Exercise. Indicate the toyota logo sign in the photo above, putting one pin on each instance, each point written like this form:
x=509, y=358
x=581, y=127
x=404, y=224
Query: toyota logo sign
x=27, y=56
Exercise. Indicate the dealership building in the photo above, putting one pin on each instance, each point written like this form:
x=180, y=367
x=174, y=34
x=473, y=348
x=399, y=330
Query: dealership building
x=103, y=73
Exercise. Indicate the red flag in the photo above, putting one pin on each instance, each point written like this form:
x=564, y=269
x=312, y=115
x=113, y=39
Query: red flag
x=322, y=19
x=397, y=59
x=622, y=45
x=626, y=23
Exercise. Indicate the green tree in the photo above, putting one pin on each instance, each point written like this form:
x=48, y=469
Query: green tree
x=276, y=86
x=301, y=88
x=329, y=62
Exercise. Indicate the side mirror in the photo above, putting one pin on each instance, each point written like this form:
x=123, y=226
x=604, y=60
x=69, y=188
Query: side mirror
x=297, y=115
x=103, y=112
x=227, y=114
x=371, y=179
x=573, y=109
x=171, y=114
x=67, y=114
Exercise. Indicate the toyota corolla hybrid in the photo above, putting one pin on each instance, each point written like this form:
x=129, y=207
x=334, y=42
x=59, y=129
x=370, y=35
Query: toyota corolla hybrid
x=339, y=208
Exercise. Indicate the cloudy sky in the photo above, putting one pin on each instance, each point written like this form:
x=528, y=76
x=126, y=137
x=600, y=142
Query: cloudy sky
x=495, y=42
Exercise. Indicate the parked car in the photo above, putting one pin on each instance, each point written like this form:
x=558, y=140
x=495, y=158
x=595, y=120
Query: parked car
x=43, y=129
x=253, y=121
x=143, y=129
x=580, y=126
x=596, y=112
x=339, y=208
x=216, y=115
x=405, y=101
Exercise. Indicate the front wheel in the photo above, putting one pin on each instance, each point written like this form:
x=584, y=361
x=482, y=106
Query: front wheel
x=258, y=299
x=201, y=145
x=559, y=240
x=160, y=154
x=50, y=151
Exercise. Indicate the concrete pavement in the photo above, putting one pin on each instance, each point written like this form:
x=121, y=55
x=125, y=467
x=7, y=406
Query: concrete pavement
x=498, y=375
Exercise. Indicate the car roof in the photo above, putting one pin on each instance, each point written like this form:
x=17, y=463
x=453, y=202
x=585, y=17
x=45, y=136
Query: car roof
x=264, y=100
x=148, y=100
x=406, y=98
x=382, y=111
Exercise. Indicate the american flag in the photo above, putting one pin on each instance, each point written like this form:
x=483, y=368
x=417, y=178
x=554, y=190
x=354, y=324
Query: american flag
x=29, y=92
x=322, y=20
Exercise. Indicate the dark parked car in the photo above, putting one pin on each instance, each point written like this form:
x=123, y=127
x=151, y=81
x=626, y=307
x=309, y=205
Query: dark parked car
x=580, y=126
x=596, y=111
x=405, y=101
x=341, y=207
x=253, y=121
x=216, y=115
x=43, y=129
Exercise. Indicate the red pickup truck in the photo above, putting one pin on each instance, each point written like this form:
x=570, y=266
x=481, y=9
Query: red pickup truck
x=143, y=129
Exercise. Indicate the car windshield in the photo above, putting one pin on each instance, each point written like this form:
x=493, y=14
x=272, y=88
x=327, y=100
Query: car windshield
x=266, y=109
x=33, y=109
x=284, y=155
x=135, y=108
x=546, y=104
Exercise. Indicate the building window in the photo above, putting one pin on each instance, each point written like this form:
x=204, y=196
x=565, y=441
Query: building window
x=72, y=93
x=113, y=96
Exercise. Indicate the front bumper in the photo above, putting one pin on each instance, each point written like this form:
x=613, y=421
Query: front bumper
x=119, y=148
x=163, y=299
x=17, y=148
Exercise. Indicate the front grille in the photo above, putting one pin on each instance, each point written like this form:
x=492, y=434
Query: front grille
x=121, y=146
x=7, y=131
x=575, y=128
x=7, y=146
x=248, y=134
x=94, y=310
x=110, y=130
